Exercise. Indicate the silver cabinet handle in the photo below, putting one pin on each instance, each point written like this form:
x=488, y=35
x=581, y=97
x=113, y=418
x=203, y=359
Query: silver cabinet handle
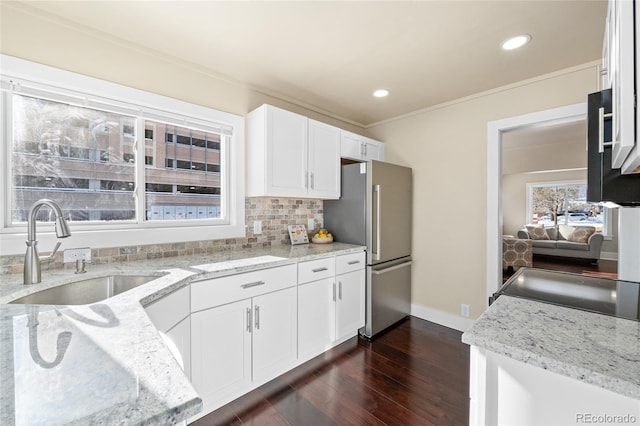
x=334, y=291
x=340, y=290
x=253, y=284
x=353, y=262
x=249, y=320
x=313, y=181
x=601, y=117
x=257, y=315
x=319, y=269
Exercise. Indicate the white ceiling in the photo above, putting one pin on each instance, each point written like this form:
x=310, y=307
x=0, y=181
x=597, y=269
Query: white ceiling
x=332, y=55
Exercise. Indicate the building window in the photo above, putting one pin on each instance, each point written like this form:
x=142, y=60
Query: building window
x=564, y=203
x=114, y=162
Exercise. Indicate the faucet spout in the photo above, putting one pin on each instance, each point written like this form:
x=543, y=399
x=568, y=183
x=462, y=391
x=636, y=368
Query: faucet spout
x=32, y=261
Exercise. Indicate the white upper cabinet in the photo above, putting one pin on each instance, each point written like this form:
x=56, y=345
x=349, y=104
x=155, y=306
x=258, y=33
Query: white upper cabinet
x=619, y=53
x=289, y=155
x=360, y=148
x=324, y=160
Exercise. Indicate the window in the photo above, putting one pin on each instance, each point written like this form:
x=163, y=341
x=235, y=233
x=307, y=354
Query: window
x=565, y=203
x=117, y=158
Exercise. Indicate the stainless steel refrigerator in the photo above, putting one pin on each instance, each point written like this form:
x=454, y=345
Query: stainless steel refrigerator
x=375, y=210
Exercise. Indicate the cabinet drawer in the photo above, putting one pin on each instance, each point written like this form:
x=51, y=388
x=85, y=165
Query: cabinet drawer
x=316, y=269
x=219, y=291
x=169, y=310
x=350, y=262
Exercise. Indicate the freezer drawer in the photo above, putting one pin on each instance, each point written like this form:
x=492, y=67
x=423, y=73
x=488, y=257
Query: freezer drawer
x=388, y=295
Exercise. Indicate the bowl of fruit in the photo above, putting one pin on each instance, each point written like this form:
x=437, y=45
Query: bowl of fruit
x=322, y=237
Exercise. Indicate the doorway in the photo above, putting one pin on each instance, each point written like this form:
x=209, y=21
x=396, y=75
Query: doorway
x=496, y=131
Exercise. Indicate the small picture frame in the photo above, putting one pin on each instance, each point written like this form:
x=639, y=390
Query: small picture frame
x=298, y=234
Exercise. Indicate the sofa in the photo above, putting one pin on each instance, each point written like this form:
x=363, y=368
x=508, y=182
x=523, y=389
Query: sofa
x=579, y=242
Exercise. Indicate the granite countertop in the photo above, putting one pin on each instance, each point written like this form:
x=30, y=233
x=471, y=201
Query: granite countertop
x=105, y=363
x=597, y=349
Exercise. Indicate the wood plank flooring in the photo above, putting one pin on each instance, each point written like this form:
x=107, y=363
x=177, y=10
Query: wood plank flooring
x=577, y=266
x=417, y=373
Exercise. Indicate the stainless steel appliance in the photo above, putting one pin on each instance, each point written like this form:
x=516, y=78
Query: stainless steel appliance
x=604, y=183
x=375, y=210
x=602, y=295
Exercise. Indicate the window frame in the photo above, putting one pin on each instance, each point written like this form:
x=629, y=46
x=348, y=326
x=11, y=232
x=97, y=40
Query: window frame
x=606, y=226
x=152, y=107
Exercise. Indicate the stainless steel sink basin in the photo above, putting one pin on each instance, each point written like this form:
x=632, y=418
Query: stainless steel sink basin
x=86, y=291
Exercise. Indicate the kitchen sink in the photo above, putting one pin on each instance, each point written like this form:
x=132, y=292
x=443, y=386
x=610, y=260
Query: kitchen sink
x=86, y=291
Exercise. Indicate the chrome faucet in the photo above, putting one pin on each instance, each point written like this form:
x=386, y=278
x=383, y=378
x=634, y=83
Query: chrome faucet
x=32, y=260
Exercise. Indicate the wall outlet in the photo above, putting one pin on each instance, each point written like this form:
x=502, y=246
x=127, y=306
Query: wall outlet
x=257, y=227
x=311, y=224
x=464, y=310
x=71, y=255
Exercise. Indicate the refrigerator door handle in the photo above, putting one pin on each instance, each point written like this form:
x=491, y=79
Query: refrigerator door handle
x=392, y=268
x=376, y=252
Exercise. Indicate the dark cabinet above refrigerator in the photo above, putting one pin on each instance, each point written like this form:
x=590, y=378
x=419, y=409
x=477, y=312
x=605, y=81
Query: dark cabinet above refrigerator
x=605, y=184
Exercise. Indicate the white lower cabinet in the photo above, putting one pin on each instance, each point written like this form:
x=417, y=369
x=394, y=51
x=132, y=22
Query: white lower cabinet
x=221, y=352
x=504, y=391
x=248, y=328
x=316, y=317
x=330, y=310
x=274, y=333
x=349, y=303
x=170, y=315
x=241, y=344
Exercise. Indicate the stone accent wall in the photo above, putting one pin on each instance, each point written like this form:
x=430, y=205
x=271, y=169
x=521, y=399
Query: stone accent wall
x=275, y=214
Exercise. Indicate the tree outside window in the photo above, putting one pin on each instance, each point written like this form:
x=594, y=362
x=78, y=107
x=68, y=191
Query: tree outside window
x=564, y=203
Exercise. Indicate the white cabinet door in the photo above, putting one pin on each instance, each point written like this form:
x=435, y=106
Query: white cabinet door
x=373, y=150
x=221, y=351
x=622, y=77
x=324, y=160
x=316, y=317
x=350, y=303
x=276, y=153
x=351, y=146
x=274, y=333
x=286, y=153
x=180, y=335
x=170, y=314
x=360, y=148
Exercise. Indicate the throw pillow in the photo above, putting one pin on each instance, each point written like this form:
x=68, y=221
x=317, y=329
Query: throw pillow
x=537, y=232
x=552, y=233
x=581, y=234
x=564, y=231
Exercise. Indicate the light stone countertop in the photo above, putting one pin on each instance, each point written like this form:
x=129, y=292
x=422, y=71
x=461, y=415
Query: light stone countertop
x=597, y=349
x=105, y=363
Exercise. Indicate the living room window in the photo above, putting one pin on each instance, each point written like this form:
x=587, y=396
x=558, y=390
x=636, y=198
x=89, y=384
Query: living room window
x=116, y=158
x=565, y=203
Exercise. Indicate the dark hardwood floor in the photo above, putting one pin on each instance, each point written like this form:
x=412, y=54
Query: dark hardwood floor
x=605, y=267
x=417, y=373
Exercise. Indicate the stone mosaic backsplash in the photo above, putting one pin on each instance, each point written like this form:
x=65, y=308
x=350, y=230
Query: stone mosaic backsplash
x=275, y=214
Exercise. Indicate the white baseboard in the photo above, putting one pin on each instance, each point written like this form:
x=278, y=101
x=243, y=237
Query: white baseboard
x=443, y=318
x=608, y=255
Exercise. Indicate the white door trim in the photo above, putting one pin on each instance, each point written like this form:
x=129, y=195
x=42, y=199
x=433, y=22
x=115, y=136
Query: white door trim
x=495, y=129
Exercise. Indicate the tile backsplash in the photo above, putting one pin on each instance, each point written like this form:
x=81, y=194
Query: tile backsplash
x=275, y=214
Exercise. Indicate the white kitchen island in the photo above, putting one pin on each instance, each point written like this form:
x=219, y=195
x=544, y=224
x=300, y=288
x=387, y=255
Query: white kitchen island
x=535, y=363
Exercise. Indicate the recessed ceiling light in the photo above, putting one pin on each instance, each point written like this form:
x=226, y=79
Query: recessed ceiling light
x=381, y=93
x=516, y=42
